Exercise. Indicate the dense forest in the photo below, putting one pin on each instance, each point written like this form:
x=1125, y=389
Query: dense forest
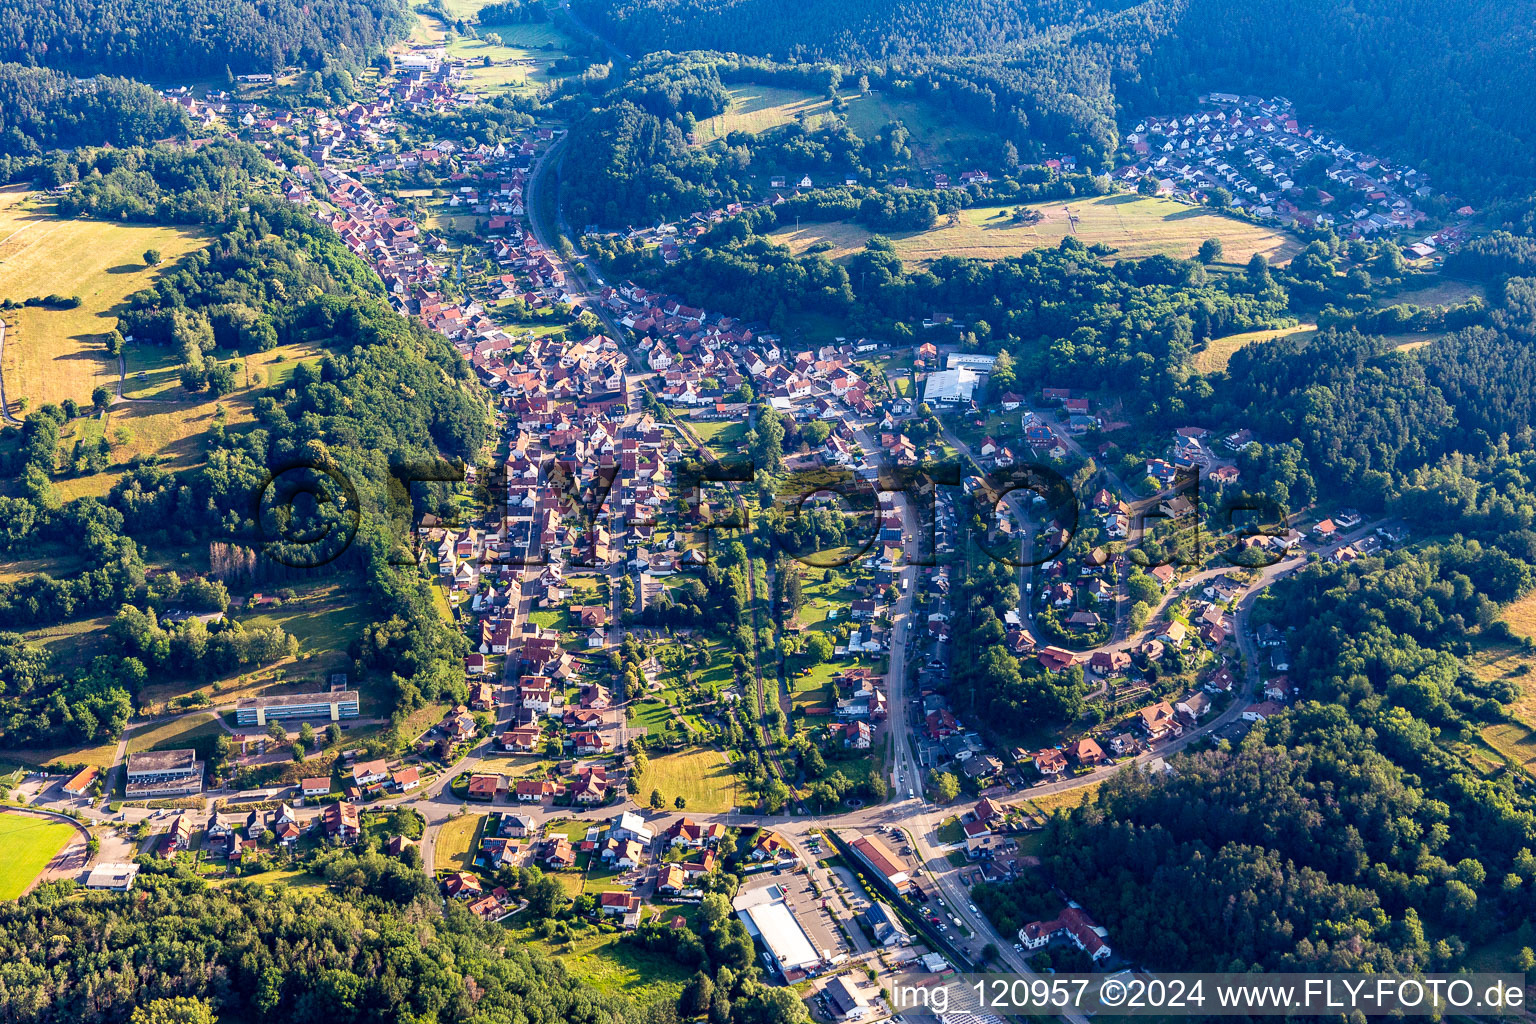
x=153, y=39
x=42, y=110
x=255, y=952
x=844, y=31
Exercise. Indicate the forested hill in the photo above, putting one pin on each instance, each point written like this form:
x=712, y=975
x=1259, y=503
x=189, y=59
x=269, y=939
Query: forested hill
x=187, y=39
x=42, y=110
x=252, y=952
x=1438, y=84
x=855, y=30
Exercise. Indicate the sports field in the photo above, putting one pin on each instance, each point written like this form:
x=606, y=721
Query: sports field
x=1134, y=226
x=27, y=844
x=702, y=777
x=51, y=355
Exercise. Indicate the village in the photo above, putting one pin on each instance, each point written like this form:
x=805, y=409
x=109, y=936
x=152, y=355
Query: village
x=1280, y=170
x=584, y=686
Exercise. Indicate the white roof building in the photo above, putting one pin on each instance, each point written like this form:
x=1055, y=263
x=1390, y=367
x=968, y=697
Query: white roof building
x=770, y=920
x=951, y=386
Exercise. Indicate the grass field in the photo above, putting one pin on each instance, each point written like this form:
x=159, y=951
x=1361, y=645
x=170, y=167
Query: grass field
x=1134, y=226
x=722, y=436
x=702, y=777
x=175, y=734
x=51, y=355
x=1218, y=351
x=1064, y=801
x=935, y=137
x=166, y=421
x=456, y=842
x=602, y=961
x=1516, y=741
x=1444, y=292
x=523, y=62
x=325, y=619
x=75, y=643
x=27, y=844
x=1502, y=660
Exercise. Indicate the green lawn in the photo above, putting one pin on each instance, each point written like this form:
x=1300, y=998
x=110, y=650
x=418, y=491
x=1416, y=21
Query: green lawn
x=548, y=618
x=27, y=844
x=456, y=842
x=652, y=716
x=722, y=436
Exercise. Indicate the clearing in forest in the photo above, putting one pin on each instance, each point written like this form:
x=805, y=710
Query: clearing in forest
x=54, y=354
x=1134, y=226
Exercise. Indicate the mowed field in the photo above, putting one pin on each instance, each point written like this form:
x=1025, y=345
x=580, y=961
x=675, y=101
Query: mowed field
x=51, y=355
x=702, y=777
x=522, y=62
x=27, y=844
x=456, y=842
x=1134, y=226
x=1218, y=351
x=1494, y=659
x=759, y=108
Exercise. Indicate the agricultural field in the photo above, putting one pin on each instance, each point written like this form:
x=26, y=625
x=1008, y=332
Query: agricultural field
x=27, y=844
x=701, y=776
x=1218, y=351
x=1134, y=226
x=936, y=139
x=51, y=355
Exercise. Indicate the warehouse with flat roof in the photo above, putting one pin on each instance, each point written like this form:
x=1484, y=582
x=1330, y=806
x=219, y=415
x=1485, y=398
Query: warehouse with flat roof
x=771, y=922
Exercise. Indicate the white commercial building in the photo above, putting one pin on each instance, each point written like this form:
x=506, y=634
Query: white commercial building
x=951, y=387
x=771, y=922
